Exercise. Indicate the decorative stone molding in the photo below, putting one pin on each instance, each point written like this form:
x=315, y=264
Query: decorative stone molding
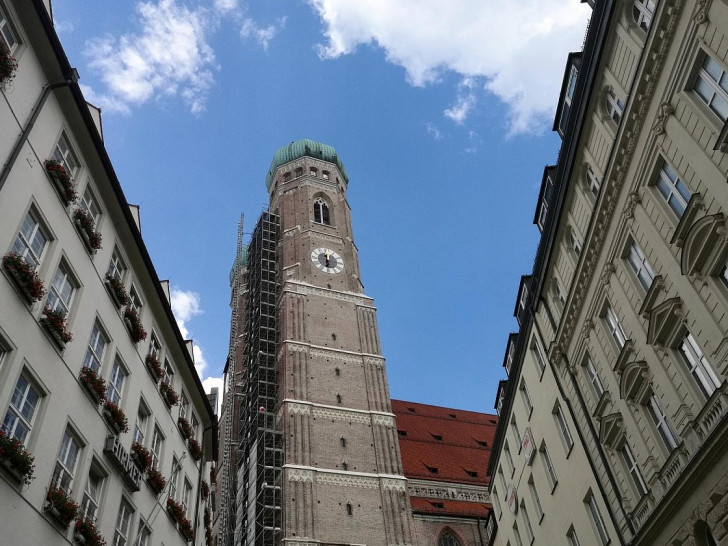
x=606, y=274
x=634, y=385
x=664, y=111
x=347, y=480
x=611, y=430
x=299, y=475
x=705, y=246
x=665, y=322
x=633, y=199
x=333, y=354
x=586, y=329
x=700, y=14
x=318, y=184
x=298, y=409
x=341, y=415
x=309, y=290
x=694, y=206
x=388, y=484
x=383, y=420
x=624, y=356
x=712, y=413
x=374, y=361
x=321, y=236
x=656, y=288
x=435, y=491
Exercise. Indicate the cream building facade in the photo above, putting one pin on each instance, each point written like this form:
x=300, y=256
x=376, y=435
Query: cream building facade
x=96, y=381
x=613, y=419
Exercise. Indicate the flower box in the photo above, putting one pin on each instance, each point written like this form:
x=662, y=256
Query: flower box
x=154, y=367
x=184, y=427
x=156, y=481
x=87, y=228
x=94, y=383
x=205, y=490
x=207, y=520
x=16, y=459
x=177, y=513
x=61, y=506
x=55, y=322
x=141, y=456
x=134, y=325
x=8, y=64
x=25, y=277
x=84, y=532
x=116, y=417
x=117, y=291
x=62, y=180
x=168, y=393
x=195, y=449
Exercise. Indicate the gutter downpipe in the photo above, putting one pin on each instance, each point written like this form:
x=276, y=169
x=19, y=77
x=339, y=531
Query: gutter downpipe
x=199, y=482
x=71, y=79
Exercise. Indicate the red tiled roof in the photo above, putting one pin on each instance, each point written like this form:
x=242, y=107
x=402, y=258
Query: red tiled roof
x=454, y=442
x=449, y=507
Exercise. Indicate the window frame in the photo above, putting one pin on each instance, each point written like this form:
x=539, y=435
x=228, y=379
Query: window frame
x=596, y=518
x=87, y=495
x=114, y=392
x=61, y=468
x=633, y=469
x=613, y=105
x=640, y=265
x=593, y=377
x=59, y=155
x=30, y=385
x=527, y=401
x=539, y=356
x=117, y=265
x=548, y=464
x=698, y=366
x=8, y=28
x=536, y=498
x=122, y=535
x=563, y=427
x=157, y=446
x=91, y=356
x=642, y=15
x=138, y=431
x=321, y=211
x=88, y=201
x=614, y=327
x=667, y=184
x=661, y=422
x=23, y=243
x=704, y=76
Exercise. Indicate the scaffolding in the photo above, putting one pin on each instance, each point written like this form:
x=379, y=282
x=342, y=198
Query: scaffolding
x=227, y=474
x=259, y=497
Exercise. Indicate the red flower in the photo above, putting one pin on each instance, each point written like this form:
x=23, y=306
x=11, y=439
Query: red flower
x=94, y=382
x=143, y=457
x=56, y=321
x=86, y=223
x=136, y=331
x=25, y=275
x=63, y=503
x=195, y=449
x=8, y=64
x=85, y=528
x=58, y=171
x=117, y=416
x=21, y=461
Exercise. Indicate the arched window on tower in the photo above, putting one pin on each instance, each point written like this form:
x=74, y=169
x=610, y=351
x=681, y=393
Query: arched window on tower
x=448, y=539
x=321, y=212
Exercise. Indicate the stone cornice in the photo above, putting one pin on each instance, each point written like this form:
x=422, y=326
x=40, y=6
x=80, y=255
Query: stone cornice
x=298, y=287
x=342, y=355
x=445, y=490
x=306, y=407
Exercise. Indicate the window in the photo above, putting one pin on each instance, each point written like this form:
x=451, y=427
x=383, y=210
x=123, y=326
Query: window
x=615, y=107
x=509, y=458
x=155, y=348
x=195, y=425
x=95, y=350
x=514, y=426
x=186, y=495
x=140, y=426
x=575, y=242
x=144, y=536
x=174, y=478
x=432, y=469
x=523, y=300
x=593, y=376
x=558, y=293
x=673, y=190
x=517, y=534
x=325, y=175
x=135, y=302
x=286, y=177
x=640, y=266
x=116, y=382
x=66, y=462
x=299, y=172
x=89, y=203
x=711, y=85
x=615, y=329
x=65, y=155
x=496, y=504
x=31, y=240
x=536, y=499
x=571, y=537
x=633, y=469
x=123, y=525
x=21, y=411
x=538, y=356
x=527, y=523
x=345, y=465
x=402, y=432
x=597, y=520
x=548, y=466
x=437, y=437
x=526, y=398
x=593, y=183
x=448, y=539
x=7, y=34
x=659, y=419
x=642, y=12
x=61, y=292
x=157, y=441
x=92, y=494
x=117, y=267
x=184, y=405
x=168, y=372
x=342, y=440
x=568, y=97
x=313, y=171
x=471, y=473
x=545, y=201
x=699, y=367
x=349, y=509
x=321, y=212
x=510, y=355
x=563, y=427
x=338, y=399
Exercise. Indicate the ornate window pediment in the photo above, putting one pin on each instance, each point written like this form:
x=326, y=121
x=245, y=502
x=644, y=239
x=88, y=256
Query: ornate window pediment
x=635, y=383
x=624, y=355
x=658, y=284
x=602, y=404
x=666, y=322
x=686, y=220
x=705, y=246
x=611, y=430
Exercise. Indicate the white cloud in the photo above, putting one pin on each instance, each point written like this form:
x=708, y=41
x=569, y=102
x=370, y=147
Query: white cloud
x=168, y=56
x=226, y=6
x=218, y=382
x=432, y=130
x=185, y=306
x=263, y=35
x=464, y=103
x=518, y=48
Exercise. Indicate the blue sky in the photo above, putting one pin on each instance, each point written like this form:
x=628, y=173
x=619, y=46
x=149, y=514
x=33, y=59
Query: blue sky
x=442, y=119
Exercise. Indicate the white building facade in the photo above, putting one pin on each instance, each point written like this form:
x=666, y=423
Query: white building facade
x=614, y=416
x=104, y=418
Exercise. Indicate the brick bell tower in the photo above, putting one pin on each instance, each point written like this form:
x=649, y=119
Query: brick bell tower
x=341, y=479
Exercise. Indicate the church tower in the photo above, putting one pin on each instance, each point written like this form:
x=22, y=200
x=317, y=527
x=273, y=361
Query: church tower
x=320, y=461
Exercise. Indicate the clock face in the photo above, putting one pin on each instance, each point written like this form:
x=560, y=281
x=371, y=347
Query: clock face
x=327, y=260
